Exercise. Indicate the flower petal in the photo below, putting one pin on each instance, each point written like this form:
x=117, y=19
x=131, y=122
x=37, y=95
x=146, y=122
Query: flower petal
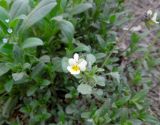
x=154, y=18
x=82, y=65
x=71, y=61
x=76, y=57
x=149, y=12
x=69, y=68
x=73, y=72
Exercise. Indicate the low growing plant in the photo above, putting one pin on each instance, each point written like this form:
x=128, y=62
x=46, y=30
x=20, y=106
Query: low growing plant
x=60, y=64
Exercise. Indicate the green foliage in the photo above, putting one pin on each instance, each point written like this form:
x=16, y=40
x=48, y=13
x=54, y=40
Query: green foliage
x=38, y=13
x=35, y=85
x=18, y=8
x=32, y=42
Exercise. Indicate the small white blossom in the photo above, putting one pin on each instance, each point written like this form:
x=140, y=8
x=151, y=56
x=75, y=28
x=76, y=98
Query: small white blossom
x=7, y=20
x=154, y=18
x=76, y=65
x=9, y=30
x=5, y=40
x=149, y=12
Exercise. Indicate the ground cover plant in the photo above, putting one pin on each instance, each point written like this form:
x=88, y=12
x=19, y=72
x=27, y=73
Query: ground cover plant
x=66, y=62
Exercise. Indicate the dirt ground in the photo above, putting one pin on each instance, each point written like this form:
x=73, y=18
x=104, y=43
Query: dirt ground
x=137, y=7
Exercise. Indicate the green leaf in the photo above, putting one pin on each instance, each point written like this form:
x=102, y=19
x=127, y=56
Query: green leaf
x=7, y=49
x=70, y=109
x=100, y=80
x=89, y=122
x=45, y=83
x=139, y=106
x=137, y=77
x=112, y=19
x=149, y=24
x=3, y=14
x=136, y=122
x=80, y=8
x=99, y=92
x=122, y=101
x=115, y=75
x=139, y=96
x=128, y=122
x=100, y=40
x=18, y=76
x=38, y=13
x=26, y=66
x=42, y=116
x=152, y=120
x=85, y=115
x=17, y=54
x=91, y=59
x=32, y=42
x=82, y=47
x=66, y=27
x=3, y=69
x=57, y=64
x=31, y=90
x=45, y=59
x=100, y=56
x=37, y=70
x=8, y=86
x=8, y=106
x=64, y=63
x=135, y=38
x=84, y=89
x=18, y=8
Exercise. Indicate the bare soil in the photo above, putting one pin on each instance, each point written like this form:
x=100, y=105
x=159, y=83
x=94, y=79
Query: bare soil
x=138, y=7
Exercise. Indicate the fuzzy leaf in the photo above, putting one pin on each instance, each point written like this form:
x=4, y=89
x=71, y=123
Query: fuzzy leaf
x=32, y=42
x=81, y=8
x=18, y=76
x=38, y=13
x=91, y=59
x=3, y=14
x=115, y=75
x=18, y=8
x=37, y=70
x=84, y=89
x=3, y=69
x=8, y=86
x=31, y=90
x=100, y=80
x=66, y=27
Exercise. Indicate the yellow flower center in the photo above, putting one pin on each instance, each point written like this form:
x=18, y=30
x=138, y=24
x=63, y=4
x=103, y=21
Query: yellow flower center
x=75, y=68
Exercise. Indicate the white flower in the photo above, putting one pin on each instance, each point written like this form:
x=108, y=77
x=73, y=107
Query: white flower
x=5, y=40
x=149, y=12
x=9, y=30
x=154, y=18
x=76, y=65
x=7, y=20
